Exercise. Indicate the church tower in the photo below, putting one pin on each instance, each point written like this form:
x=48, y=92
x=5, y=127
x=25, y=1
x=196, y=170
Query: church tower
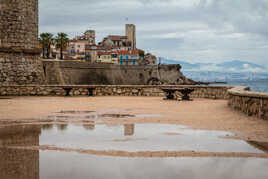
x=131, y=35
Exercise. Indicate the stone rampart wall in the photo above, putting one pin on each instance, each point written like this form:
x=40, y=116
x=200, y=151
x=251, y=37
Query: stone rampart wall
x=59, y=72
x=111, y=90
x=251, y=103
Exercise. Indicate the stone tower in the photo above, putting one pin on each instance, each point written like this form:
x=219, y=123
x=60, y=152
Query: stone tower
x=131, y=35
x=91, y=36
x=19, y=53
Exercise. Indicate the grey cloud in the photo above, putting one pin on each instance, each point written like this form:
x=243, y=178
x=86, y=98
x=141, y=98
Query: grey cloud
x=223, y=29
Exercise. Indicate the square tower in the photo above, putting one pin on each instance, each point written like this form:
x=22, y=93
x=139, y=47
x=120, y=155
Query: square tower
x=90, y=36
x=131, y=35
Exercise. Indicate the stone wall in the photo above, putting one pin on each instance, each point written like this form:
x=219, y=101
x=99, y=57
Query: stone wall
x=251, y=103
x=20, y=69
x=19, y=24
x=111, y=90
x=19, y=56
x=83, y=73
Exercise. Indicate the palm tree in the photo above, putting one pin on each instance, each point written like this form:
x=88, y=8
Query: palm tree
x=61, y=41
x=46, y=40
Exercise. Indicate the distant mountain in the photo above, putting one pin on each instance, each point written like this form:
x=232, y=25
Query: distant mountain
x=226, y=71
x=230, y=66
x=236, y=64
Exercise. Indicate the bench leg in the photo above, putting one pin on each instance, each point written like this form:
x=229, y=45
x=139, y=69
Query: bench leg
x=90, y=92
x=186, y=96
x=170, y=96
x=67, y=90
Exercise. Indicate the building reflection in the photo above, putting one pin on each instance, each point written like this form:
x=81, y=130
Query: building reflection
x=47, y=126
x=129, y=129
x=89, y=126
x=62, y=127
x=19, y=163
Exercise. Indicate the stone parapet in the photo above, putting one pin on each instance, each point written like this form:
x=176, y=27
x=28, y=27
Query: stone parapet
x=111, y=90
x=249, y=102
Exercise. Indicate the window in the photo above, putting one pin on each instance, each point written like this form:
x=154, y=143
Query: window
x=114, y=55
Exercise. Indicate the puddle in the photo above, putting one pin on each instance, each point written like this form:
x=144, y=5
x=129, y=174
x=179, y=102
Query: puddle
x=102, y=137
x=75, y=112
x=127, y=137
x=66, y=116
x=25, y=164
x=35, y=164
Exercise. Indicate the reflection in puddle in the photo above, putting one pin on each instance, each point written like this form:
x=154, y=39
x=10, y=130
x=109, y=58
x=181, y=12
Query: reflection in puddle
x=101, y=137
x=34, y=164
x=25, y=164
x=156, y=137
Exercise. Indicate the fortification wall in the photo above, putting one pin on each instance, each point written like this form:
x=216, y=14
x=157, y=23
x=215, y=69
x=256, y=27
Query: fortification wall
x=209, y=92
x=83, y=73
x=251, y=103
x=19, y=56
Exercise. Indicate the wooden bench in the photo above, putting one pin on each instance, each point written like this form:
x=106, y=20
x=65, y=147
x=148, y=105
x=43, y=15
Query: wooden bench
x=184, y=91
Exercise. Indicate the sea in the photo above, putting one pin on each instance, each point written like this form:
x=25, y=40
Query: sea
x=255, y=85
x=256, y=81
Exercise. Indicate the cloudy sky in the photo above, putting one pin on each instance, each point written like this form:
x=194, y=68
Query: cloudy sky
x=189, y=30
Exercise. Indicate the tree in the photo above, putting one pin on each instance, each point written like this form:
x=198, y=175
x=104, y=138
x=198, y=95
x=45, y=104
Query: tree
x=46, y=40
x=61, y=41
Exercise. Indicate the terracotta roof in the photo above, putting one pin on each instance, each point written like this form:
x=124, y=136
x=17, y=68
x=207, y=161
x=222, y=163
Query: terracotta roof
x=120, y=52
x=116, y=37
x=104, y=53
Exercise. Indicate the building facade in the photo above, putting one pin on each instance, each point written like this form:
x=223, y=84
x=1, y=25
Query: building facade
x=128, y=58
x=107, y=57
